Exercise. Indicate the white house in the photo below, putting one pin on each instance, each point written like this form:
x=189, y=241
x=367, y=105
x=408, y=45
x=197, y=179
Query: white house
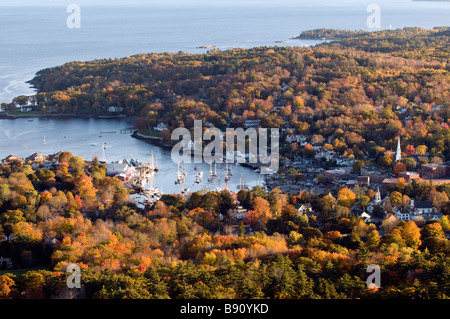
x=120, y=170
x=115, y=109
x=49, y=164
x=417, y=210
x=304, y=208
x=161, y=127
x=25, y=108
x=239, y=213
x=366, y=217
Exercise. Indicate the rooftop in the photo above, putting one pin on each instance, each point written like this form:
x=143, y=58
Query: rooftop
x=423, y=204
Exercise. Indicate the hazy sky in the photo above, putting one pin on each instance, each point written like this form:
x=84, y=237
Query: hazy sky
x=192, y=2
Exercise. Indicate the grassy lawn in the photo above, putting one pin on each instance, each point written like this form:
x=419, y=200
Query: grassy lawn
x=18, y=113
x=150, y=133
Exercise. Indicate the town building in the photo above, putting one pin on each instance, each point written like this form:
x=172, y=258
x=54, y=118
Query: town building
x=389, y=183
x=364, y=180
x=375, y=175
x=239, y=213
x=416, y=210
x=409, y=176
x=434, y=171
x=337, y=173
x=120, y=170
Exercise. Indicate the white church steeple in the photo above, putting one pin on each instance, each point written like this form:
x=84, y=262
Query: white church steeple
x=377, y=196
x=398, y=153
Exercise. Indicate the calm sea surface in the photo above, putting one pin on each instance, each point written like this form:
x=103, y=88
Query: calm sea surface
x=33, y=38
x=87, y=137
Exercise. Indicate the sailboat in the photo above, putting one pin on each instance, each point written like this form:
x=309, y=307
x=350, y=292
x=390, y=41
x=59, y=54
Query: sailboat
x=153, y=193
x=184, y=171
x=180, y=177
x=242, y=185
x=103, y=152
x=211, y=174
x=156, y=165
x=228, y=172
x=45, y=143
x=152, y=167
x=215, y=169
x=198, y=178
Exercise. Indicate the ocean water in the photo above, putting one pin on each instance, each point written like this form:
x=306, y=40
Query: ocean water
x=37, y=37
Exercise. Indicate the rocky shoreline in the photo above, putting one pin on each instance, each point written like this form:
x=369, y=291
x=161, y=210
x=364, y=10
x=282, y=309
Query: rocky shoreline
x=157, y=141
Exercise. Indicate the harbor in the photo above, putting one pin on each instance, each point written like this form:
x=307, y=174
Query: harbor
x=139, y=177
x=81, y=137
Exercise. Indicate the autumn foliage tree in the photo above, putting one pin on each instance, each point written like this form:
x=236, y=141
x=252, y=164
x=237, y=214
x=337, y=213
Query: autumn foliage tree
x=346, y=197
x=399, y=167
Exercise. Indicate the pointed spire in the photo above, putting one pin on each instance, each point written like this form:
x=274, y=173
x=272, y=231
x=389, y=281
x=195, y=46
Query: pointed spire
x=398, y=153
x=378, y=196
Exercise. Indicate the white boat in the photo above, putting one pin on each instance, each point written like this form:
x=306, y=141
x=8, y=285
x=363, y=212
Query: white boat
x=198, y=178
x=156, y=165
x=211, y=174
x=228, y=171
x=242, y=184
x=180, y=176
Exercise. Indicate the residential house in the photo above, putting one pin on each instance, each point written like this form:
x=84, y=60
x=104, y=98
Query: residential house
x=252, y=123
x=327, y=154
x=25, y=108
x=161, y=127
x=304, y=208
x=35, y=158
x=291, y=138
x=54, y=156
x=10, y=159
x=417, y=210
x=239, y=213
x=50, y=164
x=115, y=109
x=366, y=217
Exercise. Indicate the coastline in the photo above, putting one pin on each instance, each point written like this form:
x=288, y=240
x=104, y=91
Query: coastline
x=6, y=116
x=157, y=141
